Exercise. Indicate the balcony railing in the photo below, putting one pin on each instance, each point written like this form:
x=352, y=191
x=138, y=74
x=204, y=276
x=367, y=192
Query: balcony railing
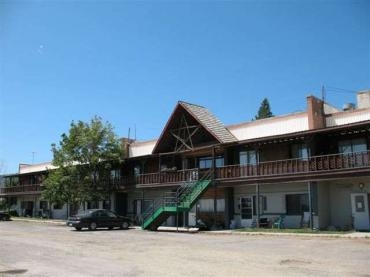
x=169, y=176
x=313, y=165
x=21, y=189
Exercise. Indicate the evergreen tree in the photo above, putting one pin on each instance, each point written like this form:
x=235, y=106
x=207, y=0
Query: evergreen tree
x=264, y=110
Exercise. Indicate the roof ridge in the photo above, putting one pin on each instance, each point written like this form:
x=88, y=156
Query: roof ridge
x=192, y=104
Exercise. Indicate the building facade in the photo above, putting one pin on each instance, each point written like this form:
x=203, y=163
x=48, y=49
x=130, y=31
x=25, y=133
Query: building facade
x=306, y=169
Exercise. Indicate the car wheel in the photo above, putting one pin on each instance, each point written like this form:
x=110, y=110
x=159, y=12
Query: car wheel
x=92, y=226
x=78, y=228
x=124, y=225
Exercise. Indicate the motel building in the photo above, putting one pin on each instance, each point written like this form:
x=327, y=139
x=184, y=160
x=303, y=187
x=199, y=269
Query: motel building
x=304, y=169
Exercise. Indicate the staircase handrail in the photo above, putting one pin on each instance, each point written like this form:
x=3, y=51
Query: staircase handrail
x=174, y=199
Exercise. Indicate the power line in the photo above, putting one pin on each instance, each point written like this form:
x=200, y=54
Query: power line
x=340, y=90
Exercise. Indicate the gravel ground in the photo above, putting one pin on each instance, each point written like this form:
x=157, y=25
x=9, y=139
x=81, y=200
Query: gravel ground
x=35, y=249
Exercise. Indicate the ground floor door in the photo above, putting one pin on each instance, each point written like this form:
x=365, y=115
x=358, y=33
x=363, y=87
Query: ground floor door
x=360, y=211
x=121, y=203
x=246, y=211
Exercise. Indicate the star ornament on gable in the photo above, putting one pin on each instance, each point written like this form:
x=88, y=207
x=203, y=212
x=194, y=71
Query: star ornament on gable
x=183, y=135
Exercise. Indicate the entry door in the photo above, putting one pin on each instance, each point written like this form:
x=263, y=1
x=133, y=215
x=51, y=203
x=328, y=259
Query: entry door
x=121, y=203
x=360, y=211
x=246, y=211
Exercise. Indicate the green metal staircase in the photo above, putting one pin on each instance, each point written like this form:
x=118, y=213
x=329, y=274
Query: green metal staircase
x=174, y=202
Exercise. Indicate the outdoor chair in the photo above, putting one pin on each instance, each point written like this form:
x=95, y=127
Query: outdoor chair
x=279, y=223
x=305, y=221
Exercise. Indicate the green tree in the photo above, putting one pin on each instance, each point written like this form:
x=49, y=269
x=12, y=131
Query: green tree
x=83, y=161
x=264, y=110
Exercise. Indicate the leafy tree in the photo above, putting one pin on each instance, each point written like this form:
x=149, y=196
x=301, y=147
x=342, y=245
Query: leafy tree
x=264, y=110
x=83, y=161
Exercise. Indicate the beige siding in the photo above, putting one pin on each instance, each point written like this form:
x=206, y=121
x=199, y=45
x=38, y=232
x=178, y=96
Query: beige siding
x=141, y=149
x=271, y=127
x=275, y=197
x=343, y=118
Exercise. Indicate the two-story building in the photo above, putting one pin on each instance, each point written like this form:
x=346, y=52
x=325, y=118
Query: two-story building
x=309, y=168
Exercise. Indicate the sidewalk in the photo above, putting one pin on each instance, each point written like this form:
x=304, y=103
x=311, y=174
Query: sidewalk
x=352, y=235
x=39, y=220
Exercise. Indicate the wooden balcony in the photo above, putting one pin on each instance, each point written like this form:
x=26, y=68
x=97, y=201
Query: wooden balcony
x=313, y=168
x=17, y=190
x=168, y=177
x=316, y=167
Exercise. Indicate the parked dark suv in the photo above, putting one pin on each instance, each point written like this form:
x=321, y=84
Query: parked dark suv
x=93, y=219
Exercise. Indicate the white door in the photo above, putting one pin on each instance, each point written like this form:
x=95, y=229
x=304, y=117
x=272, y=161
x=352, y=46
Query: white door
x=360, y=211
x=246, y=211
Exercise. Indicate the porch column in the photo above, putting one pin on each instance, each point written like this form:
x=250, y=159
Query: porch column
x=159, y=167
x=214, y=186
x=258, y=204
x=309, y=188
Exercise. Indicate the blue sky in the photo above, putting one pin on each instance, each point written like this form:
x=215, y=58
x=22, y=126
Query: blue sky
x=130, y=62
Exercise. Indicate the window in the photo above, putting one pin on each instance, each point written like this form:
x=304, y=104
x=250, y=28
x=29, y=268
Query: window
x=206, y=162
x=12, y=201
x=137, y=170
x=106, y=204
x=111, y=215
x=207, y=205
x=57, y=206
x=248, y=157
x=300, y=151
x=296, y=204
x=92, y=205
x=43, y=205
x=352, y=146
x=115, y=173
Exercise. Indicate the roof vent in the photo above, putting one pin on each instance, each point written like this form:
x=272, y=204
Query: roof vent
x=349, y=107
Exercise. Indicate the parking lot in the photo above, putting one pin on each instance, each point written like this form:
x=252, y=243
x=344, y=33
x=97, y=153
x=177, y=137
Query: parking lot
x=40, y=249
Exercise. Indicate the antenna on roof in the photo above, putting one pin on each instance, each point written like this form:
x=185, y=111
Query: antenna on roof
x=323, y=93
x=33, y=157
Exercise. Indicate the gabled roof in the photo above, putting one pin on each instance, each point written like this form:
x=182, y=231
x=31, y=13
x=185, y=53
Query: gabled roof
x=210, y=122
x=211, y=126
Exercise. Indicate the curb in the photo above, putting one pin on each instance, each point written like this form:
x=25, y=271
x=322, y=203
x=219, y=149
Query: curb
x=45, y=221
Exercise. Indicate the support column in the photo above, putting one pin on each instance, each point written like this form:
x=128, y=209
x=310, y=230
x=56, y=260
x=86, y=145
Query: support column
x=309, y=188
x=258, y=204
x=214, y=187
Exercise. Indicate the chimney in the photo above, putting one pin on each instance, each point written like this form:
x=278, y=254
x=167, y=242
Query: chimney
x=363, y=99
x=315, y=111
x=125, y=146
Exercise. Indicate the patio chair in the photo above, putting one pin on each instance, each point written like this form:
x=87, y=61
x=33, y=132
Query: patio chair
x=279, y=223
x=305, y=221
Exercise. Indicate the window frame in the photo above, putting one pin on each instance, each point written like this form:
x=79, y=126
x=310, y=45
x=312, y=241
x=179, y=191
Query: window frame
x=300, y=204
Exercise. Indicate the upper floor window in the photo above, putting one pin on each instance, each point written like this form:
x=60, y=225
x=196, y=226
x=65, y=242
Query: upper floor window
x=115, y=173
x=352, y=145
x=137, y=170
x=249, y=157
x=300, y=151
x=206, y=162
